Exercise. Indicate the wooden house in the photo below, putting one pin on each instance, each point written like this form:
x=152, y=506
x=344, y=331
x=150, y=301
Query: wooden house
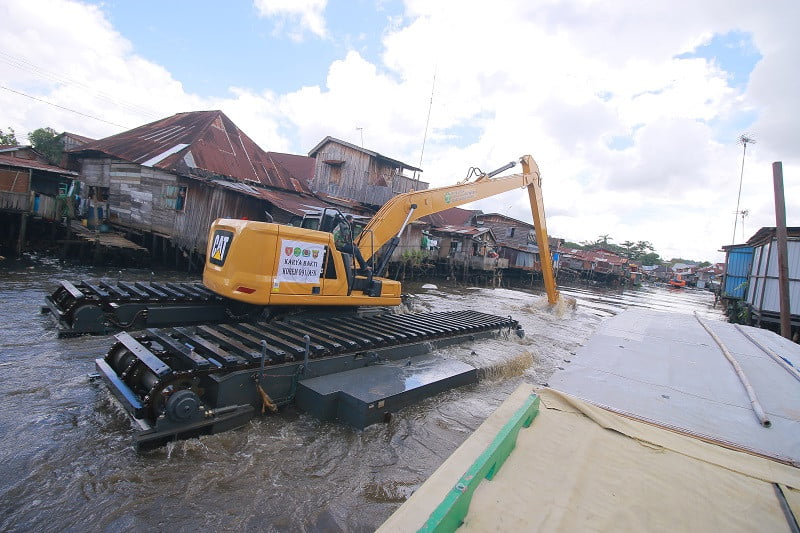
x=345, y=170
x=594, y=264
x=30, y=186
x=516, y=240
x=168, y=180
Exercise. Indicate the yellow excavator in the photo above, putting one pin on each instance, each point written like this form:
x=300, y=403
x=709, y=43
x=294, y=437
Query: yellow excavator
x=260, y=269
x=339, y=363
x=269, y=264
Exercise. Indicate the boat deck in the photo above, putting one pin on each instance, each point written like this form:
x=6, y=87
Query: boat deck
x=649, y=428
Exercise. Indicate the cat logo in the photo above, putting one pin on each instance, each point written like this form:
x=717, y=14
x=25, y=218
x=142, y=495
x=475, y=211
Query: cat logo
x=220, y=246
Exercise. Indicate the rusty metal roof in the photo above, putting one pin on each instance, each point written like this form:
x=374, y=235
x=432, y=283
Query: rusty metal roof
x=10, y=160
x=595, y=256
x=300, y=166
x=462, y=230
x=455, y=216
x=295, y=203
x=205, y=141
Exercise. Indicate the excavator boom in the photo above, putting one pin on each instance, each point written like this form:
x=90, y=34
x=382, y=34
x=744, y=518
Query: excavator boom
x=390, y=221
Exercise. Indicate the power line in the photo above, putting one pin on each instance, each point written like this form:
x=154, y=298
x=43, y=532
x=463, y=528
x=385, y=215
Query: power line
x=30, y=67
x=62, y=107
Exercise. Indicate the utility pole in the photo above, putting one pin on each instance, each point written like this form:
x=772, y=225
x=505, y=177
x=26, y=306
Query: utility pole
x=744, y=139
x=783, y=256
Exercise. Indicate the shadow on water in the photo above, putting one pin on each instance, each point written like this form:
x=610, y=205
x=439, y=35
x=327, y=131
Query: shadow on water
x=67, y=459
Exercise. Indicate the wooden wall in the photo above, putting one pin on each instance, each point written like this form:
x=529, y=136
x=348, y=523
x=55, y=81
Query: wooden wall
x=143, y=198
x=359, y=176
x=500, y=226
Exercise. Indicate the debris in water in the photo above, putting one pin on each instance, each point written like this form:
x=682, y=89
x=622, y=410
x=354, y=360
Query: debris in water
x=430, y=286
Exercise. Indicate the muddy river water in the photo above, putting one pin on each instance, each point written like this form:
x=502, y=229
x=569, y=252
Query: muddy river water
x=66, y=460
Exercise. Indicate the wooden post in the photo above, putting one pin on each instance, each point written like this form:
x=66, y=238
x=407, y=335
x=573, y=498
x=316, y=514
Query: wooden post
x=23, y=229
x=783, y=255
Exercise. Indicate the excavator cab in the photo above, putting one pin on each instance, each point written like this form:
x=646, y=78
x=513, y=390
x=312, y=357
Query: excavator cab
x=325, y=219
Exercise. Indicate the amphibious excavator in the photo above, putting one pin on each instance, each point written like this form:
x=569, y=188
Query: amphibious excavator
x=339, y=359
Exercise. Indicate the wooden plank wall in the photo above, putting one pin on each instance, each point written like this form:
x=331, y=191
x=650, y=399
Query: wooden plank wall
x=360, y=177
x=500, y=226
x=142, y=198
x=15, y=201
x=204, y=204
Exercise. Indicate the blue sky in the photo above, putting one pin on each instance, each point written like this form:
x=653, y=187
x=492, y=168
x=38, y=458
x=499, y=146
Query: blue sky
x=631, y=111
x=211, y=46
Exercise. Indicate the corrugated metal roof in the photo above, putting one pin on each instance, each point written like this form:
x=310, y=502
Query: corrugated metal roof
x=455, y=216
x=462, y=230
x=594, y=256
x=204, y=140
x=766, y=234
x=28, y=163
x=297, y=204
x=300, y=166
x=504, y=218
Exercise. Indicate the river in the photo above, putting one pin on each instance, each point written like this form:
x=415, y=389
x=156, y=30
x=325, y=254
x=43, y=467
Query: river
x=67, y=462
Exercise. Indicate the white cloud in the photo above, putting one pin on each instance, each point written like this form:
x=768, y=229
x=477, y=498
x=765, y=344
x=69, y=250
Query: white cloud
x=561, y=80
x=294, y=17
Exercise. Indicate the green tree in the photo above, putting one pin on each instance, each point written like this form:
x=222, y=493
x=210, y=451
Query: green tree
x=650, y=259
x=628, y=248
x=8, y=138
x=602, y=240
x=46, y=142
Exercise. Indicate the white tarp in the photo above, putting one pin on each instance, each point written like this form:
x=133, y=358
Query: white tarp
x=300, y=262
x=665, y=368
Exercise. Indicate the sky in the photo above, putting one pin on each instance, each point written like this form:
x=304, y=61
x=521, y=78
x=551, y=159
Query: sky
x=631, y=109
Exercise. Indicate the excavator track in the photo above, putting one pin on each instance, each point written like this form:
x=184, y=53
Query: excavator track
x=181, y=382
x=100, y=307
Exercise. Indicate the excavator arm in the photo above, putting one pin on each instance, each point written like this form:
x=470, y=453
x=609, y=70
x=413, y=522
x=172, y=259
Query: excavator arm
x=390, y=221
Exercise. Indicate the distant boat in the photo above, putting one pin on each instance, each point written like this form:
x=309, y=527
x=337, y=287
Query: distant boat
x=677, y=282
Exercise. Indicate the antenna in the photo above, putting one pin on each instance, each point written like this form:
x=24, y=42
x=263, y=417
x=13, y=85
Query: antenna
x=360, y=129
x=428, y=120
x=744, y=140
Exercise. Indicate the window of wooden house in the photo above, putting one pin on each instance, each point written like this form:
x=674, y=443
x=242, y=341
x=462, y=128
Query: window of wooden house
x=455, y=246
x=510, y=232
x=175, y=197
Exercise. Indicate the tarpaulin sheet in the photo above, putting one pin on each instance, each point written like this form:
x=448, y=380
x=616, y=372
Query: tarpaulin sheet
x=579, y=467
x=666, y=368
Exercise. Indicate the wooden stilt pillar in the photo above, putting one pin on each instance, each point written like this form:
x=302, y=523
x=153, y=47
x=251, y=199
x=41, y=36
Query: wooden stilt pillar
x=23, y=229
